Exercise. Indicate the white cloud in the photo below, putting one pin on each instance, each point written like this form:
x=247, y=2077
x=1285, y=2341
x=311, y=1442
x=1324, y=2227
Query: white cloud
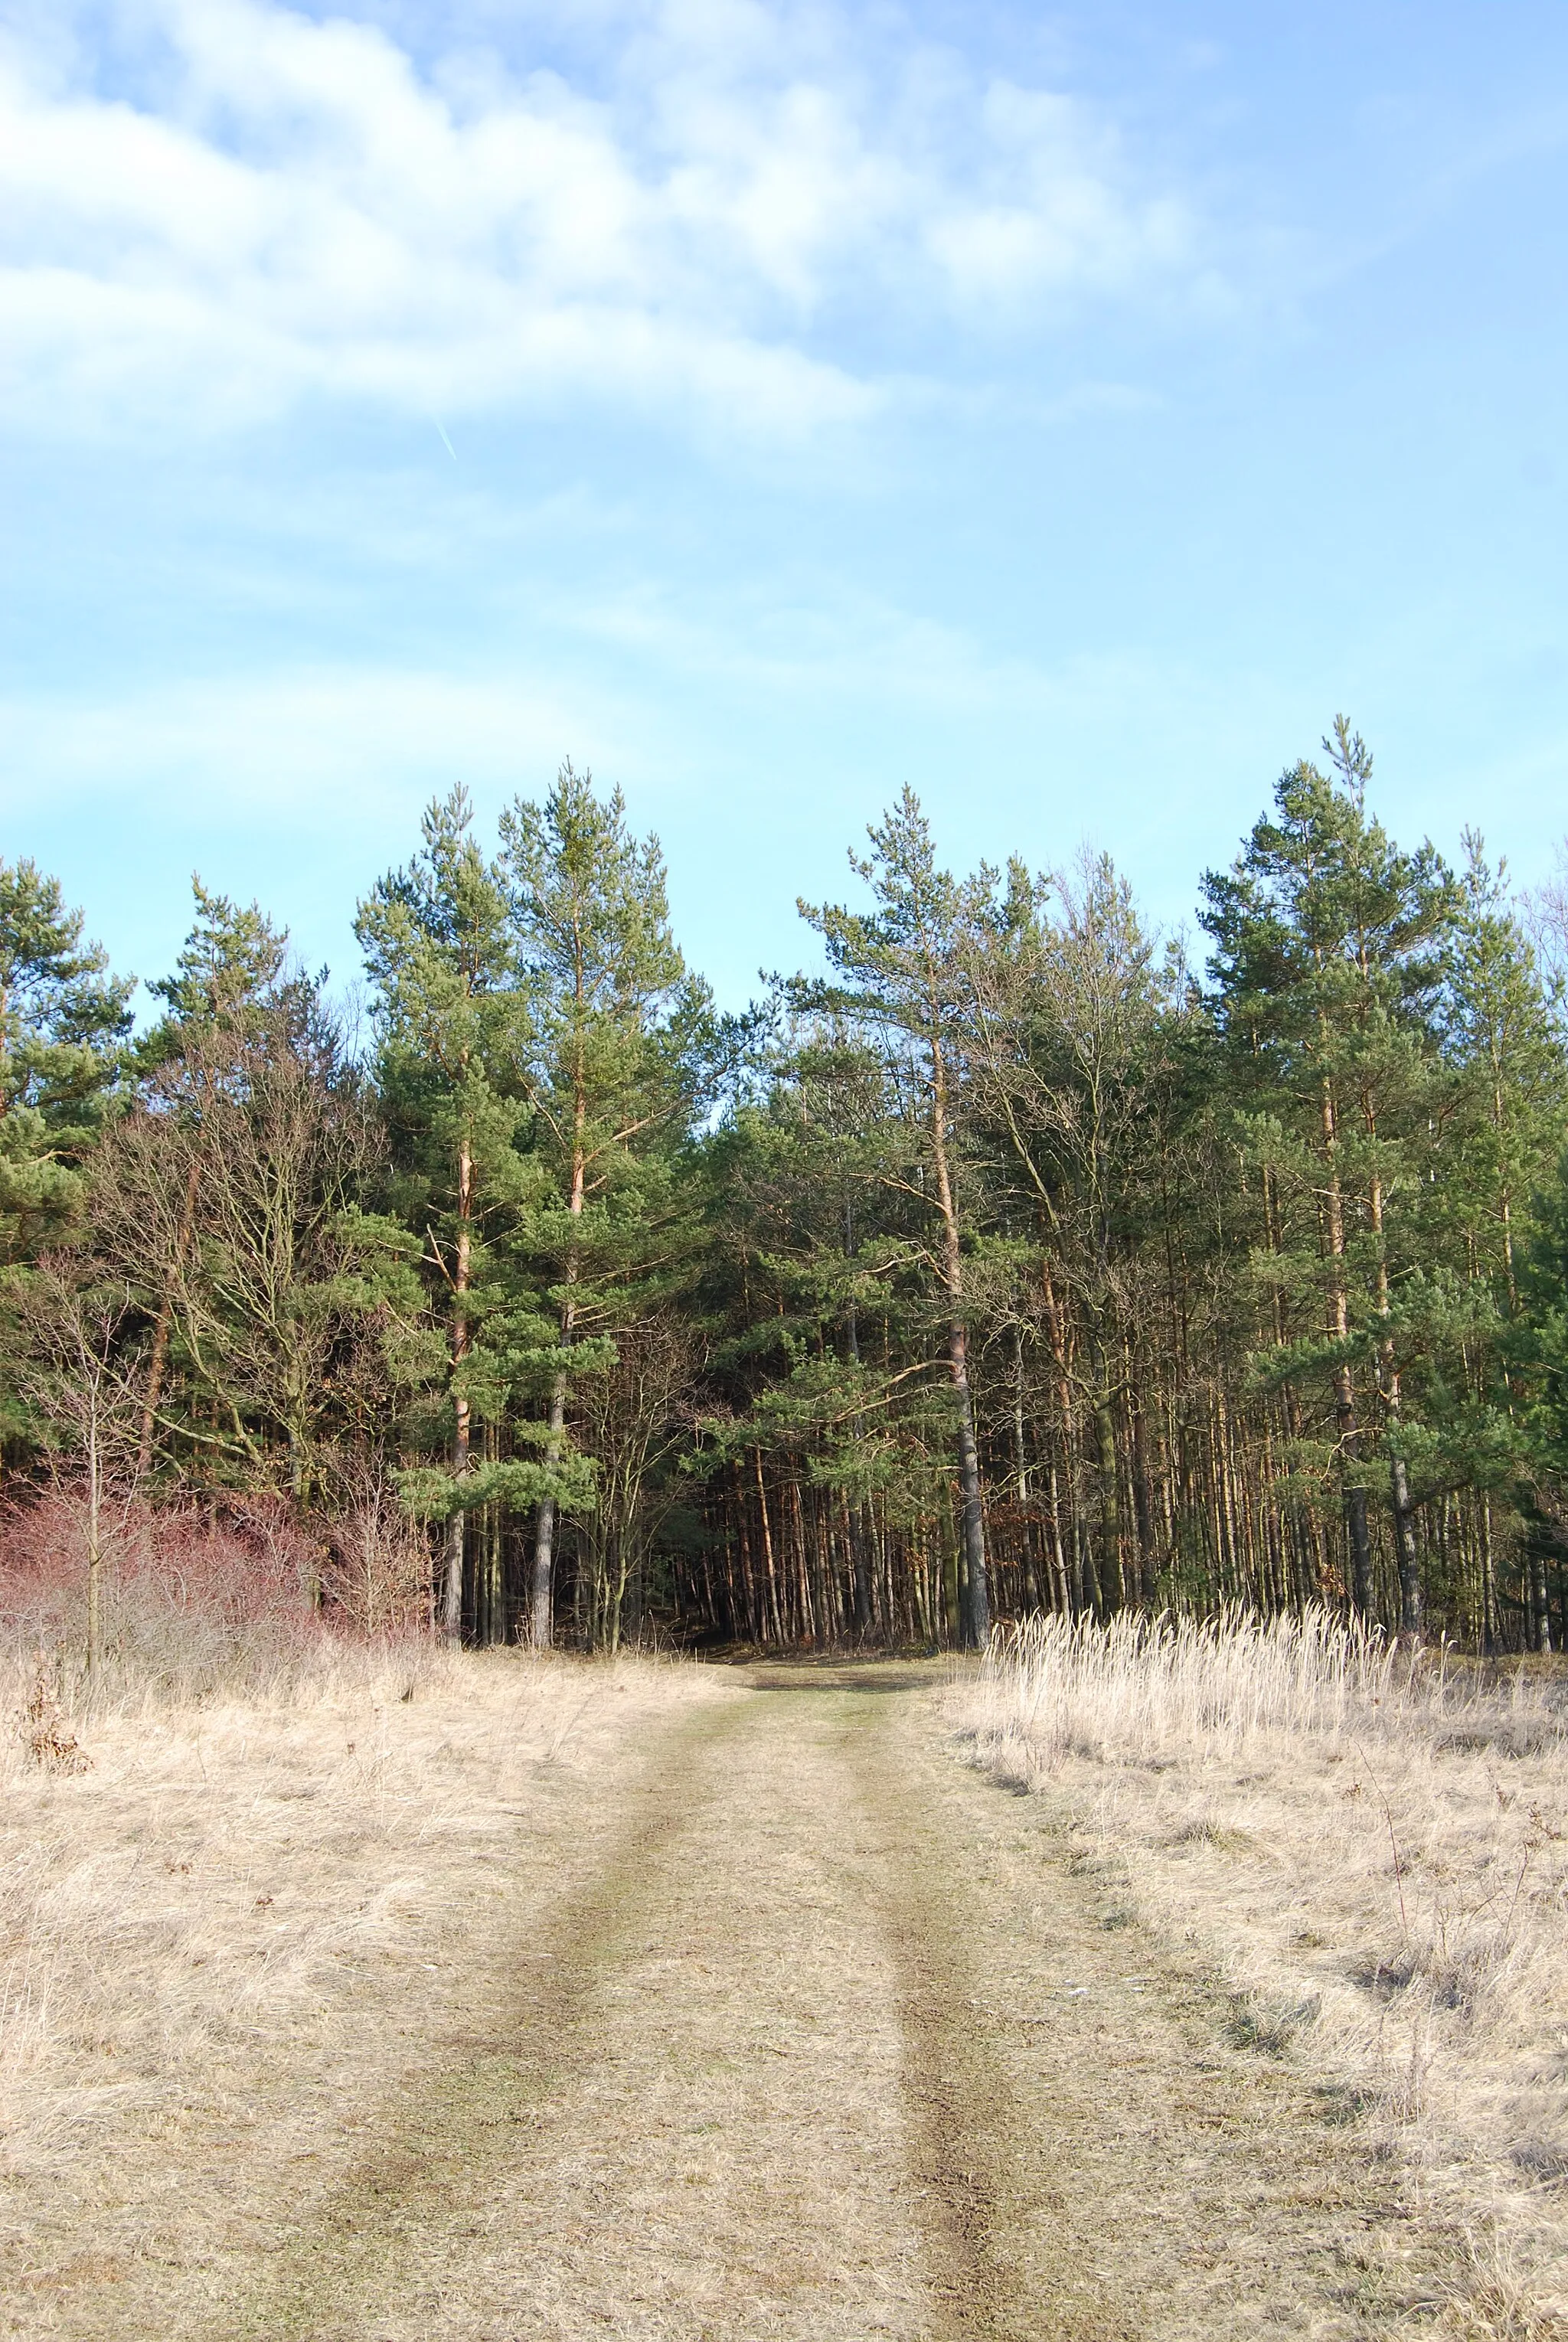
x=276, y=206
x=307, y=750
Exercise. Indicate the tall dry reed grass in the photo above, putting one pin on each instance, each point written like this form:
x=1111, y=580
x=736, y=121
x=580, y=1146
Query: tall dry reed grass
x=1142, y=1687
x=1371, y=1846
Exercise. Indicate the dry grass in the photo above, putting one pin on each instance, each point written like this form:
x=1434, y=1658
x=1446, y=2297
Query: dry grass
x=1375, y=1851
x=484, y=1995
x=209, y=1918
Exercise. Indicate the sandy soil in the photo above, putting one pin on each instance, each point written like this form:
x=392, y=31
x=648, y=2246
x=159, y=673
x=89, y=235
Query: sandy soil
x=729, y=2004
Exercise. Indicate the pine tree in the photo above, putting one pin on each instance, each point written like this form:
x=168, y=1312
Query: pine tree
x=441, y=951
x=1327, y=966
x=902, y=979
x=64, y=1021
x=1504, y=1122
x=230, y=974
x=1504, y=1118
x=612, y=1029
x=228, y=979
x=1070, y=1010
x=817, y=1282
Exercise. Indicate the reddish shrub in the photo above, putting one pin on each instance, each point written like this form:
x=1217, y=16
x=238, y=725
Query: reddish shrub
x=192, y=1595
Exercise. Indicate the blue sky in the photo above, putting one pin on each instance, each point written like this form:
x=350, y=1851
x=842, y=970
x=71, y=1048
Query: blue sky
x=1064, y=410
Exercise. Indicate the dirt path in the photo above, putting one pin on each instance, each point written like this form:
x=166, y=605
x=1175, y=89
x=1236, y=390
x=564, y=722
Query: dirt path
x=829, y=2039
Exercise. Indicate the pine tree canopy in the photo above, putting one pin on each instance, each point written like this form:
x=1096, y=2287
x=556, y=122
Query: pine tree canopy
x=1007, y=1262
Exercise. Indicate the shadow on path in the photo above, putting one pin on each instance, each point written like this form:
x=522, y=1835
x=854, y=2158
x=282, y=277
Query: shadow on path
x=848, y=1675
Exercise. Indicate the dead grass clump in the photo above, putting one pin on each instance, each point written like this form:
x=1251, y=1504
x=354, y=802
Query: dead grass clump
x=47, y=1738
x=1270, y=2028
x=1153, y=1690
x=1373, y=1844
x=1497, y=2305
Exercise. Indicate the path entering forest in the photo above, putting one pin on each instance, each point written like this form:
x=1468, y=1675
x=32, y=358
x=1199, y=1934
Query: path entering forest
x=829, y=2038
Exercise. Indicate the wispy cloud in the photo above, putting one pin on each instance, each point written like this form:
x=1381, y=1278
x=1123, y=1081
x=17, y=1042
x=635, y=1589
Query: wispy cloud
x=722, y=215
x=318, y=748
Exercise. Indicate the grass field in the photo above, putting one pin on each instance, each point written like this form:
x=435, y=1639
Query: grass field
x=393, y=1993
x=1375, y=1852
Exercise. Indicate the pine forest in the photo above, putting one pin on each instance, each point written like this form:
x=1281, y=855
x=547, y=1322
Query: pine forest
x=1017, y=1258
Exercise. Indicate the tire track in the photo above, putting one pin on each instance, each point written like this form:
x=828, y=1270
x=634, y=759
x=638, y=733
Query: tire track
x=969, y=2158
x=448, y=2133
x=1097, y=2162
x=832, y=2042
x=978, y=2190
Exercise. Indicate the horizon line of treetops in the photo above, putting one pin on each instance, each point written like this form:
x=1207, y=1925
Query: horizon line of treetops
x=1010, y=1263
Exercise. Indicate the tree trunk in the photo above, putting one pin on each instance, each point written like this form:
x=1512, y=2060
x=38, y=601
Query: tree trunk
x=451, y=1594
x=811, y=1624
x=1029, y=1555
x=1359, y=1538
x=94, y=1548
x=775, y=1620
x=754, y=1610
x=158, y=1359
x=541, y=1610
x=857, y=1537
x=1062, y=1592
x=951, y=1578
x=975, y=1622
x=1111, y=1590
x=1411, y=1606
x=1357, y=1534
x=1407, y=1552
x=543, y=1606
x=1087, y=1587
